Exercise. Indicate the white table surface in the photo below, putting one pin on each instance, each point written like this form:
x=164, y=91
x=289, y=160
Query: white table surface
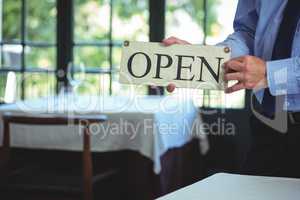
x=239, y=187
x=148, y=125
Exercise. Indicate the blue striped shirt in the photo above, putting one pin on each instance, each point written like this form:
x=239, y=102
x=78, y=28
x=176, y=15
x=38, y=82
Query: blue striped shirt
x=256, y=26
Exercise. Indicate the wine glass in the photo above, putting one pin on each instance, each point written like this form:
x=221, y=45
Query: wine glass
x=76, y=75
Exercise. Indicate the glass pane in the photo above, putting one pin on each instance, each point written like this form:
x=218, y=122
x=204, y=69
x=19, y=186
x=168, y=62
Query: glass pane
x=11, y=56
x=116, y=55
x=222, y=25
x=41, y=20
x=1, y=56
x=126, y=90
x=92, y=56
x=9, y=86
x=18, y=86
x=235, y=100
x=39, y=85
x=91, y=20
x=3, y=79
x=130, y=20
x=44, y=58
x=184, y=17
x=104, y=84
x=223, y=21
x=218, y=99
x=1, y=18
x=11, y=20
x=214, y=99
x=94, y=84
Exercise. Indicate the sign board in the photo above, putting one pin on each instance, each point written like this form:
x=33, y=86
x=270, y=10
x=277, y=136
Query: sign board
x=186, y=66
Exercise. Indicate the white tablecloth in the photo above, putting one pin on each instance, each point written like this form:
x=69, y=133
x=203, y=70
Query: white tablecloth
x=149, y=125
x=239, y=187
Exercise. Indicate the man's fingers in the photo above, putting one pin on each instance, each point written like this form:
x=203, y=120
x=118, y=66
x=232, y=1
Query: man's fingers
x=173, y=40
x=233, y=76
x=234, y=88
x=169, y=41
x=171, y=87
x=240, y=59
x=227, y=70
x=234, y=64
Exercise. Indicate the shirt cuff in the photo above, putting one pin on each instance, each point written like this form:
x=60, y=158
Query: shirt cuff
x=237, y=43
x=282, y=77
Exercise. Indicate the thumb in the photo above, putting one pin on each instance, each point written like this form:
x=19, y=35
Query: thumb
x=171, y=87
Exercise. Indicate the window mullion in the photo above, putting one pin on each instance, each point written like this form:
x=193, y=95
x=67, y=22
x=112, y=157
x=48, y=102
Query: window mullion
x=111, y=45
x=23, y=43
x=157, y=30
x=65, y=24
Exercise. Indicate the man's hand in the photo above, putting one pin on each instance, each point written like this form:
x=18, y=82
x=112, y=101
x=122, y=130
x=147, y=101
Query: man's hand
x=249, y=71
x=170, y=41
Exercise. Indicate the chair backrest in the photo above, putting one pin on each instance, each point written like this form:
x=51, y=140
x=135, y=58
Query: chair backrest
x=49, y=119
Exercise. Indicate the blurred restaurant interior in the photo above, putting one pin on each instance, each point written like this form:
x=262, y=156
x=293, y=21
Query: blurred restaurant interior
x=59, y=66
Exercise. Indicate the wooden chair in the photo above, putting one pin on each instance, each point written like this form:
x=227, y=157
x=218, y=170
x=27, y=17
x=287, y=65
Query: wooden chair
x=86, y=120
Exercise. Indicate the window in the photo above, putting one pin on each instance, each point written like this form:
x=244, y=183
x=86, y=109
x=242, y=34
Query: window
x=100, y=28
x=41, y=39
x=27, y=48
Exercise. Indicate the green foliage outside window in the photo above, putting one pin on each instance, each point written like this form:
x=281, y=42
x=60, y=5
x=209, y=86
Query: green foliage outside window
x=91, y=24
x=195, y=9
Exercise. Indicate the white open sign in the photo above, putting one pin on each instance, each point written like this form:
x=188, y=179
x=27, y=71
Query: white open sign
x=186, y=66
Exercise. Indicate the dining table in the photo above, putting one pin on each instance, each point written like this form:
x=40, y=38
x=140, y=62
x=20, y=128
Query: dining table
x=237, y=186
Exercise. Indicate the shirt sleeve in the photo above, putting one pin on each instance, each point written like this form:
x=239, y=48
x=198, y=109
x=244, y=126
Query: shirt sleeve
x=241, y=41
x=284, y=76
